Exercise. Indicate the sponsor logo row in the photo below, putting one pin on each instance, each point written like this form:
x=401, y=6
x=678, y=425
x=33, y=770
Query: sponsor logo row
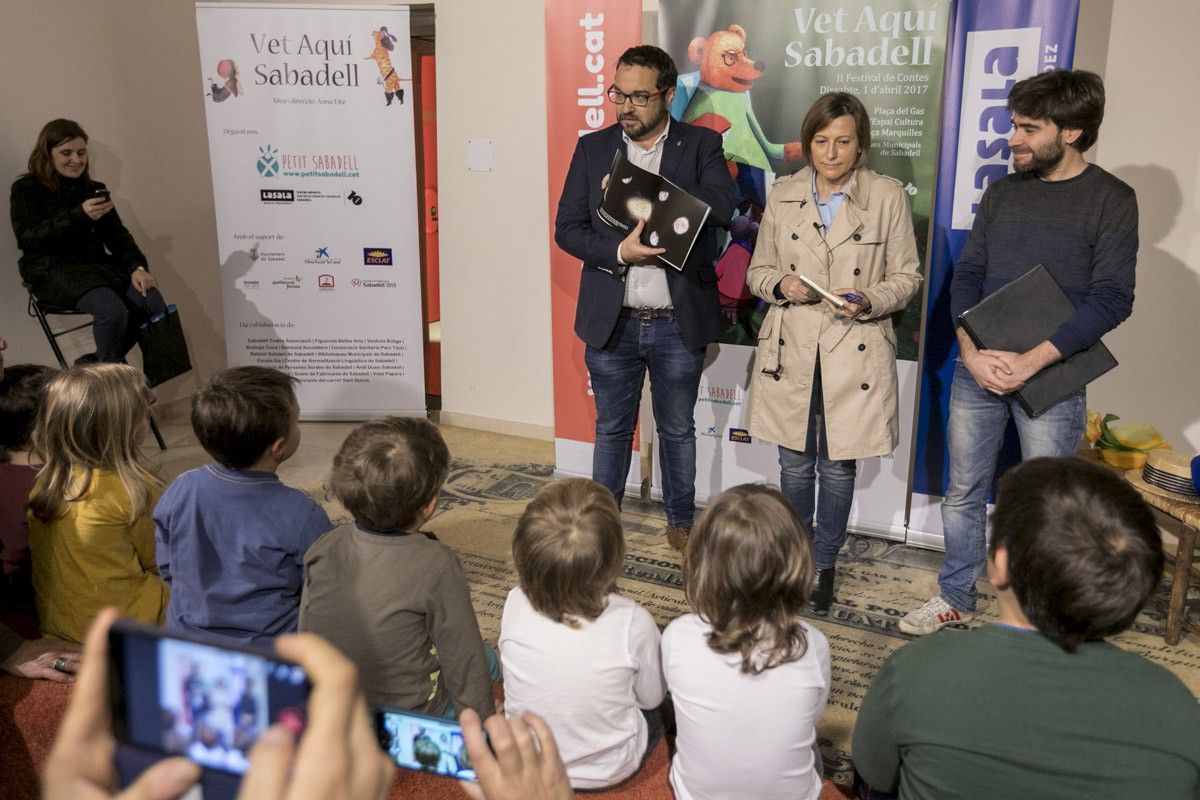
x=324, y=282
x=319, y=256
x=736, y=435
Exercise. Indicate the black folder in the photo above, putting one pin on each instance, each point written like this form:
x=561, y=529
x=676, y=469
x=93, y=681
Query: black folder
x=673, y=217
x=1023, y=314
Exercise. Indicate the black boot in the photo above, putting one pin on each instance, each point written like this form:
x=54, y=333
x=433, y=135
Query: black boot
x=388, y=95
x=822, y=596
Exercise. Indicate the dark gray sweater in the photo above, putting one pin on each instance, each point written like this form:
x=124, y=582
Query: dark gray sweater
x=1083, y=230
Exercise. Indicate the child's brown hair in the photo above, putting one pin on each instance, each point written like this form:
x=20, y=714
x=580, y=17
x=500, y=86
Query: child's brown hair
x=390, y=469
x=568, y=549
x=748, y=571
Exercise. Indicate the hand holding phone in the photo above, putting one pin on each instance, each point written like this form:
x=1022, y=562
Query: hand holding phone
x=101, y=193
x=528, y=766
x=80, y=760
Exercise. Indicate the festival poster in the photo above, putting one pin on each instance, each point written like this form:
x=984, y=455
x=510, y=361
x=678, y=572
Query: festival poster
x=310, y=132
x=996, y=43
x=584, y=39
x=750, y=70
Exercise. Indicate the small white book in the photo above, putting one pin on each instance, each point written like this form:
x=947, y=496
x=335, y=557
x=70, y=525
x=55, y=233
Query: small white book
x=823, y=292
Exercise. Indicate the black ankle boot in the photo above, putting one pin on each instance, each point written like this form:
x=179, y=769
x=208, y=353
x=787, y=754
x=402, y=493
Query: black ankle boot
x=822, y=596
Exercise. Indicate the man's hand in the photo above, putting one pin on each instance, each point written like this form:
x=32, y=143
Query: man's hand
x=794, y=290
x=632, y=250
x=143, y=281
x=81, y=762
x=338, y=756
x=526, y=764
x=36, y=658
x=1020, y=367
x=96, y=207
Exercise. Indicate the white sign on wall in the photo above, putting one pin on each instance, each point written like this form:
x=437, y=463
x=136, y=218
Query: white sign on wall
x=310, y=133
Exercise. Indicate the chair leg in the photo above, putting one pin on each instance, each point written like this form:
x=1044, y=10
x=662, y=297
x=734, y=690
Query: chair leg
x=50, y=336
x=157, y=434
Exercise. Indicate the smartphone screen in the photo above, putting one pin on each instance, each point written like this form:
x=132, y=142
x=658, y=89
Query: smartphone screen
x=177, y=695
x=426, y=744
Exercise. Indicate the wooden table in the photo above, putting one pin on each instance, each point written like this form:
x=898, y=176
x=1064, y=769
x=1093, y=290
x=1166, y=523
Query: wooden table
x=1188, y=515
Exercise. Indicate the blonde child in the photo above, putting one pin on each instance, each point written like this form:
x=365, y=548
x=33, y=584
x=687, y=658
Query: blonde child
x=90, y=530
x=749, y=678
x=574, y=651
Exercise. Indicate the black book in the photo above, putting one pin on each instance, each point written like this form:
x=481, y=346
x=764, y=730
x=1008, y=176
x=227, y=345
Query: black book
x=673, y=217
x=1023, y=314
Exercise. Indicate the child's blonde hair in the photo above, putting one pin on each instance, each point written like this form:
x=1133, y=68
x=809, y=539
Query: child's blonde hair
x=89, y=420
x=569, y=549
x=748, y=572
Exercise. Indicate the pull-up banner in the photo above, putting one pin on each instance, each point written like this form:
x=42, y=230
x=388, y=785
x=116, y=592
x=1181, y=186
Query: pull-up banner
x=996, y=43
x=310, y=134
x=583, y=42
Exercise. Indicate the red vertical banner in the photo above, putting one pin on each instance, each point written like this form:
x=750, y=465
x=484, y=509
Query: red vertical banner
x=584, y=39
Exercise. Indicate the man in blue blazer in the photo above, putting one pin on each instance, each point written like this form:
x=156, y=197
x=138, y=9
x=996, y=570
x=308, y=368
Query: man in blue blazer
x=635, y=313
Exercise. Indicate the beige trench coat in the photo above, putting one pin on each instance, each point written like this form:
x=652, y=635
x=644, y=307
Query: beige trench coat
x=871, y=248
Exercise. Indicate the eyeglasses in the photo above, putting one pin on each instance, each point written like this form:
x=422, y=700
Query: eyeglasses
x=730, y=57
x=637, y=98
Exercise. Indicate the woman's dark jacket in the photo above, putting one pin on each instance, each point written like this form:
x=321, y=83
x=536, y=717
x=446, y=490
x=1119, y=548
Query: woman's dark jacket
x=64, y=253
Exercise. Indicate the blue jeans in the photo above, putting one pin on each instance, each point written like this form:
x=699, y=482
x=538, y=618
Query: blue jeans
x=974, y=435
x=801, y=472
x=618, y=370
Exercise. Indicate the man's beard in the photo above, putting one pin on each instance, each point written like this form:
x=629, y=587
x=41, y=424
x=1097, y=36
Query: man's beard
x=1043, y=162
x=640, y=130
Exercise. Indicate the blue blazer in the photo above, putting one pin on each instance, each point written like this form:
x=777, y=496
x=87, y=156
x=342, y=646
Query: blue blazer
x=692, y=159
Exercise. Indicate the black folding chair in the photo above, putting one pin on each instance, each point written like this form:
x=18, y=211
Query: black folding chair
x=39, y=310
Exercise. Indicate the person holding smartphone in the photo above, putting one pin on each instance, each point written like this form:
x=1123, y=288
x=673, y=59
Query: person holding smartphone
x=823, y=386
x=75, y=252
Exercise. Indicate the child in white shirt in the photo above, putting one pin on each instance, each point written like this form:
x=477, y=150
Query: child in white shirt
x=748, y=677
x=574, y=651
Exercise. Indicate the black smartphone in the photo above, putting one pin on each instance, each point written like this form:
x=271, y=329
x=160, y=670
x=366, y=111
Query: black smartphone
x=423, y=743
x=101, y=194
x=176, y=694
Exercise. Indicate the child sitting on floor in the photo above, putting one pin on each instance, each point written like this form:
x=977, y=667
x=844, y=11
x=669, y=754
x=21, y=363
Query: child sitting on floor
x=231, y=537
x=583, y=657
x=392, y=599
x=90, y=531
x=748, y=676
x=21, y=390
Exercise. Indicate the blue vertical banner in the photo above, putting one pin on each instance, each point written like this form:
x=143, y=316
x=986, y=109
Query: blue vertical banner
x=994, y=44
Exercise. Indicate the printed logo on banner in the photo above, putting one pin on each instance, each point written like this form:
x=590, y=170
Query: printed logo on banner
x=257, y=254
x=322, y=257
x=377, y=256
x=232, y=86
x=354, y=198
x=268, y=161
x=739, y=435
x=276, y=195
x=993, y=62
x=373, y=283
x=325, y=282
x=712, y=432
x=249, y=284
x=288, y=282
x=721, y=395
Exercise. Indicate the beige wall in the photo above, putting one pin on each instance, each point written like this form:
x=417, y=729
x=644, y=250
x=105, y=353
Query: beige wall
x=127, y=71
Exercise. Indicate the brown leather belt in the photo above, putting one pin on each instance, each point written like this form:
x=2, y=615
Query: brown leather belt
x=648, y=313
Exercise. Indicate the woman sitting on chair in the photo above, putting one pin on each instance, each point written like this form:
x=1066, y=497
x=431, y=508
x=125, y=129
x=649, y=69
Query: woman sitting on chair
x=76, y=254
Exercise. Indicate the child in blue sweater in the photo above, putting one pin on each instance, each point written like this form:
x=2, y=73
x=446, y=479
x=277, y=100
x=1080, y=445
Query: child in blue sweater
x=230, y=536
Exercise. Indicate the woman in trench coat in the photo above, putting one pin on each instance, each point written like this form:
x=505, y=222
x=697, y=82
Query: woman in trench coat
x=823, y=385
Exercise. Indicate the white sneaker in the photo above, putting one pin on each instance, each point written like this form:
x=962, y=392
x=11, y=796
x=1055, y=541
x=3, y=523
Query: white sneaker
x=933, y=616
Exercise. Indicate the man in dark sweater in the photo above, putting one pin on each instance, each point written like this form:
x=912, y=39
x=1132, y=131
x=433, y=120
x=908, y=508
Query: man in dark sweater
x=1078, y=221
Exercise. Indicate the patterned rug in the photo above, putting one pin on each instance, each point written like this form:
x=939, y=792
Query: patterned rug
x=878, y=580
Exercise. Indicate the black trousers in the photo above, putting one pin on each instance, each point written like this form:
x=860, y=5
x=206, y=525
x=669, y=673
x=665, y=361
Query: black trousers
x=116, y=317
